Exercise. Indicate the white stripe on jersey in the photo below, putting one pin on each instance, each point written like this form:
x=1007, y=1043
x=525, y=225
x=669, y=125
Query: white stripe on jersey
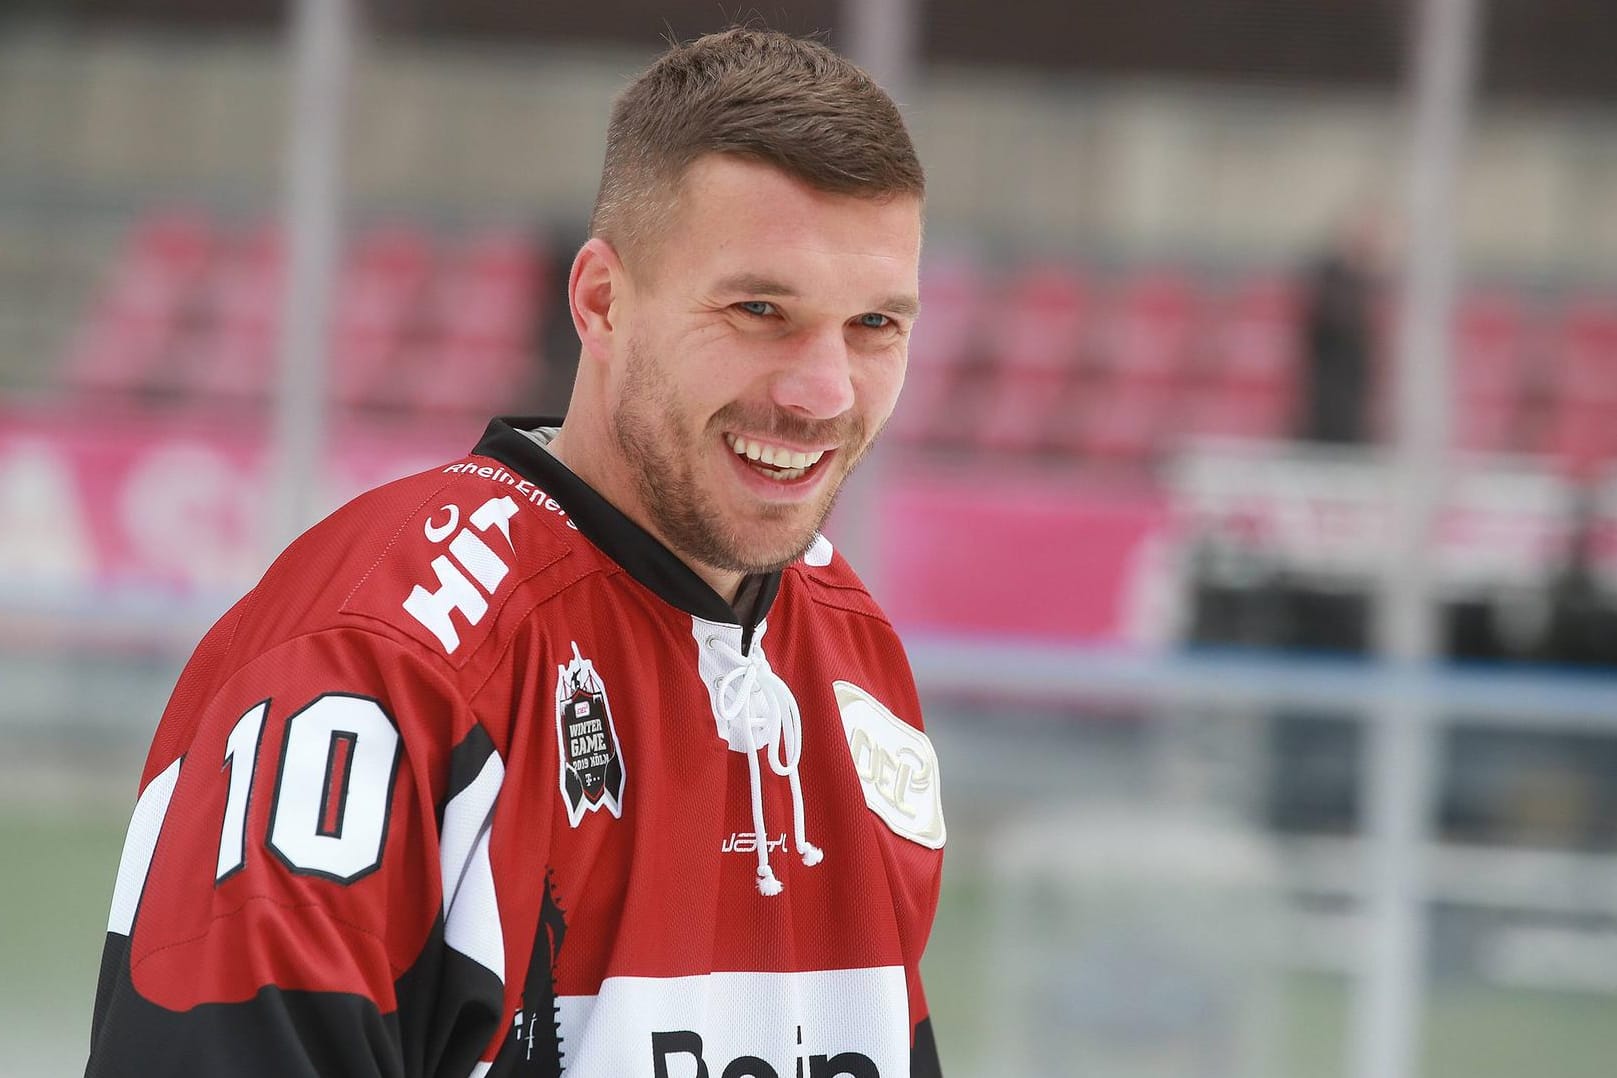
x=471, y=915
x=781, y=1019
x=141, y=842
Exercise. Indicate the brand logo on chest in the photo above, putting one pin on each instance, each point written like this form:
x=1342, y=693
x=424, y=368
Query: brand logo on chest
x=747, y=842
x=587, y=742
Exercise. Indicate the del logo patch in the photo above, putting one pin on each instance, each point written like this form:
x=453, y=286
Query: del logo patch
x=591, y=759
x=896, y=764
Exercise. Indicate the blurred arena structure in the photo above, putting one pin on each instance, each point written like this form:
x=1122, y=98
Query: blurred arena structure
x=1249, y=510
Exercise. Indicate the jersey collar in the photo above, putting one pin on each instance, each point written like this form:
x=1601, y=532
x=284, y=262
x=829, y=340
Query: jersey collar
x=640, y=554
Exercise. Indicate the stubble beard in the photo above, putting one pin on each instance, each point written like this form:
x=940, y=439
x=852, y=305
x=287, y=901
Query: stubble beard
x=661, y=456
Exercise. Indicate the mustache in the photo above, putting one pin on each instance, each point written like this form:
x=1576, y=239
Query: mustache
x=843, y=430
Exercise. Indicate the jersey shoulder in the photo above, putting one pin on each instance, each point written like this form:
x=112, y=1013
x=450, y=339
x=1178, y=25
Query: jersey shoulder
x=824, y=576
x=439, y=559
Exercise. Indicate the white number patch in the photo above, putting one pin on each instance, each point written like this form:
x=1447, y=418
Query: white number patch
x=333, y=789
x=241, y=757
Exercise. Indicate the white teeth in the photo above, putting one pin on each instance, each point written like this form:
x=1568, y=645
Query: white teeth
x=791, y=464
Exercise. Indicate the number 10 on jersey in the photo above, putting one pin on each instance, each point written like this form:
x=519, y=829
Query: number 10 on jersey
x=333, y=788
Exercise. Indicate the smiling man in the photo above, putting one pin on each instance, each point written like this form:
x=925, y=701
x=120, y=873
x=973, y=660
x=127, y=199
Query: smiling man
x=473, y=782
x=734, y=374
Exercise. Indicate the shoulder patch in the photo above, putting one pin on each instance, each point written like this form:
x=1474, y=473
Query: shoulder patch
x=458, y=558
x=896, y=764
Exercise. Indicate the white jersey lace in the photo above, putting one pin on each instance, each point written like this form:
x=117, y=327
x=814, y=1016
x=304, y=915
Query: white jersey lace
x=756, y=711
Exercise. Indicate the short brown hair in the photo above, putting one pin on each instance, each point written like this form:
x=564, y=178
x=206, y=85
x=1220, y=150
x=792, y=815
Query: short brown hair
x=760, y=94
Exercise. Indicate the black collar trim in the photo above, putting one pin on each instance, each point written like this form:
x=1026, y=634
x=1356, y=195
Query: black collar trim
x=618, y=537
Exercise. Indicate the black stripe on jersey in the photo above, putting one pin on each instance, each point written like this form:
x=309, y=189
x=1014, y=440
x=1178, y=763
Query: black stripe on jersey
x=534, y=1048
x=448, y=1009
x=114, y=975
x=466, y=762
x=924, y=1061
x=604, y=525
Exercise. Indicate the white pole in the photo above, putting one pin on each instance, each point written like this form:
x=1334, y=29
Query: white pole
x=1399, y=777
x=880, y=36
x=321, y=45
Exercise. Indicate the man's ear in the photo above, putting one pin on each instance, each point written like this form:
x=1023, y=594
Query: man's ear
x=594, y=288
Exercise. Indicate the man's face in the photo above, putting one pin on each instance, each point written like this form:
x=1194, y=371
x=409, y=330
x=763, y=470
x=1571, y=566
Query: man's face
x=766, y=347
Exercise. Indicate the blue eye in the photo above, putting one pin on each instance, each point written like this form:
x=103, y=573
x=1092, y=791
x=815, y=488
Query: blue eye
x=757, y=307
x=873, y=320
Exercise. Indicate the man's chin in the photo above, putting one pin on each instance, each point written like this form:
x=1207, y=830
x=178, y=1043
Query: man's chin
x=771, y=557
x=774, y=561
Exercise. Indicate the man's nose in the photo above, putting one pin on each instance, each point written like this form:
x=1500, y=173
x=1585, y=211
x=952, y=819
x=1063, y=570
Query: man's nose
x=817, y=381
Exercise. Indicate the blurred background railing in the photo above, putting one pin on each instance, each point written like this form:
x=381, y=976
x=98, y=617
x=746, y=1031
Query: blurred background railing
x=1134, y=514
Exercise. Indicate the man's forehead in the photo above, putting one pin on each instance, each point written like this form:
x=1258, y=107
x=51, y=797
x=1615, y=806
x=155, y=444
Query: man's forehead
x=722, y=189
x=731, y=217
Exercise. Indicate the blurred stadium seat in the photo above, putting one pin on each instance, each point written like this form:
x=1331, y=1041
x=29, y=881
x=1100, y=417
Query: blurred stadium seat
x=189, y=318
x=945, y=342
x=384, y=280
x=1583, y=411
x=1246, y=383
x=1490, y=342
x=1034, y=352
x=1034, y=360
x=128, y=334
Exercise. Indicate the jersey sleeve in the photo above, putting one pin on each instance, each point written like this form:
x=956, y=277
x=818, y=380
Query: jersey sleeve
x=305, y=886
x=927, y=874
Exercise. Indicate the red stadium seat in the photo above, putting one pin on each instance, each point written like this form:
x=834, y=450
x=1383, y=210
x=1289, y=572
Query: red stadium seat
x=1044, y=314
x=471, y=348
x=126, y=342
x=363, y=366
x=1490, y=341
x=1486, y=424
x=1583, y=435
x=1490, y=334
x=1150, y=327
x=466, y=376
x=228, y=350
x=1117, y=421
x=118, y=355
x=488, y=291
x=229, y=362
x=943, y=345
x=1034, y=356
x=1247, y=382
x=1256, y=334
x=179, y=238
x=1232, y=410
x=1582, y=405
x=384, y=282
x=1018, y=406
x=1586, y=349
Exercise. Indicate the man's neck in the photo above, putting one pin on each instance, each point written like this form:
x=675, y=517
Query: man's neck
x=725, y=582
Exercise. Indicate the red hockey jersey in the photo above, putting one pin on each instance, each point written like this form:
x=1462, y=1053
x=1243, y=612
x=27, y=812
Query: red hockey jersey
x=481, y=780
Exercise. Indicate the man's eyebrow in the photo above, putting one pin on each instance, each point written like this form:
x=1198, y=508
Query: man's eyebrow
x=754, y=284
x=904, y=306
